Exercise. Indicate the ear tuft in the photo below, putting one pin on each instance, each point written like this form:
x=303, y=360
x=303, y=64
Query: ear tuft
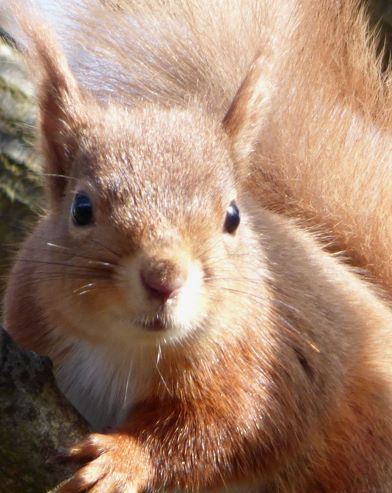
x=244, y=120
x=59, y=99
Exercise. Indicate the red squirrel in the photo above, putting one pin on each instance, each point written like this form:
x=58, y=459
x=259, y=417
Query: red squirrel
x=227, y=349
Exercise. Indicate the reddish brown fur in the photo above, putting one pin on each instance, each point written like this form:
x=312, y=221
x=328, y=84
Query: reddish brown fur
x=276, y=376
x=324, y=151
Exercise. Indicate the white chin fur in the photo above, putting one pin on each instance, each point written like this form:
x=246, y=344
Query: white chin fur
x=101, y=382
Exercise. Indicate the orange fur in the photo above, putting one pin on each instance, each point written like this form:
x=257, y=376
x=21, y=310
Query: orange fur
x=324, y=149
x=268, y=368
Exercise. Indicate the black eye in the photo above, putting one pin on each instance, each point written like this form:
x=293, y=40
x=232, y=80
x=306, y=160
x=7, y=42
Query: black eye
x=232, y=220
x=82, y=210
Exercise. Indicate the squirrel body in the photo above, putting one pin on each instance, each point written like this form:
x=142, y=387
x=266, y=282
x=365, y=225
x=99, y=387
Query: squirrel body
x=228, y=349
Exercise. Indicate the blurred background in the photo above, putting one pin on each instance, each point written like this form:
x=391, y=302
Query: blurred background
x=20, y=183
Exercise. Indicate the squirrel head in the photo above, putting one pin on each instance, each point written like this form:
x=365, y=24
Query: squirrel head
x=147, y=223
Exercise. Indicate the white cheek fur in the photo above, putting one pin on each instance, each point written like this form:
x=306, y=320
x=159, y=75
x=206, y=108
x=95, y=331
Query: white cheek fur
x=188, y=307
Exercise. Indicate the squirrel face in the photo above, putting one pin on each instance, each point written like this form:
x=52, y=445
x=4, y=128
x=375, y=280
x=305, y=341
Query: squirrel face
x=148, y=225
x=143, y=227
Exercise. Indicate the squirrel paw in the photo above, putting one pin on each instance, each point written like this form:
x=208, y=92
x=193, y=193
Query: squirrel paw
x=115, y=463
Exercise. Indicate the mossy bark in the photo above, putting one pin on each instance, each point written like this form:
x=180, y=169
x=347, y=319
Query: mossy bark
x=36, y=422
x=20, y=181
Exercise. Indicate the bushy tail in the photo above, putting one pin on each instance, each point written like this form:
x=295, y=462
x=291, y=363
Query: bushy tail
x=325, y=149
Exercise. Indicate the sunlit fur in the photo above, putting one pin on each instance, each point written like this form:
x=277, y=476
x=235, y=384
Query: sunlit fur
x=324, y=152
x=270, y=370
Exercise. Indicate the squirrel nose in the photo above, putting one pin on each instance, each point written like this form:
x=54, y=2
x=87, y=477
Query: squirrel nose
x=161, y=279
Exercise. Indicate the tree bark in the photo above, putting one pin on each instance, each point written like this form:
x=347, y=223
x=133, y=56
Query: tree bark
x=36, y=422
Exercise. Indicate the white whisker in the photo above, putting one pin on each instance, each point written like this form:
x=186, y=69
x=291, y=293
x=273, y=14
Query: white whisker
x=83, y=288
x=159, y=354
x=127, y=385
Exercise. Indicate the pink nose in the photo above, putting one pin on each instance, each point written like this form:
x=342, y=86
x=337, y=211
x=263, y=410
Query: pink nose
x=162, y=279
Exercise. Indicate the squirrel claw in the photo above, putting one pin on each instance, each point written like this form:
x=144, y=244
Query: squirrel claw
x=106, y=469
x=59, y=457
x=90, y=448
x=82, y=481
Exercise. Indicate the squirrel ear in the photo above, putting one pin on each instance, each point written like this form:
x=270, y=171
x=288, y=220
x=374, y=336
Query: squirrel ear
x=245, y=117
x=59, y=100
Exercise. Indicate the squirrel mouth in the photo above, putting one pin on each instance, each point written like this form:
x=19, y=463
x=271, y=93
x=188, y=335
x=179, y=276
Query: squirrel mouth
x=155, y=325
